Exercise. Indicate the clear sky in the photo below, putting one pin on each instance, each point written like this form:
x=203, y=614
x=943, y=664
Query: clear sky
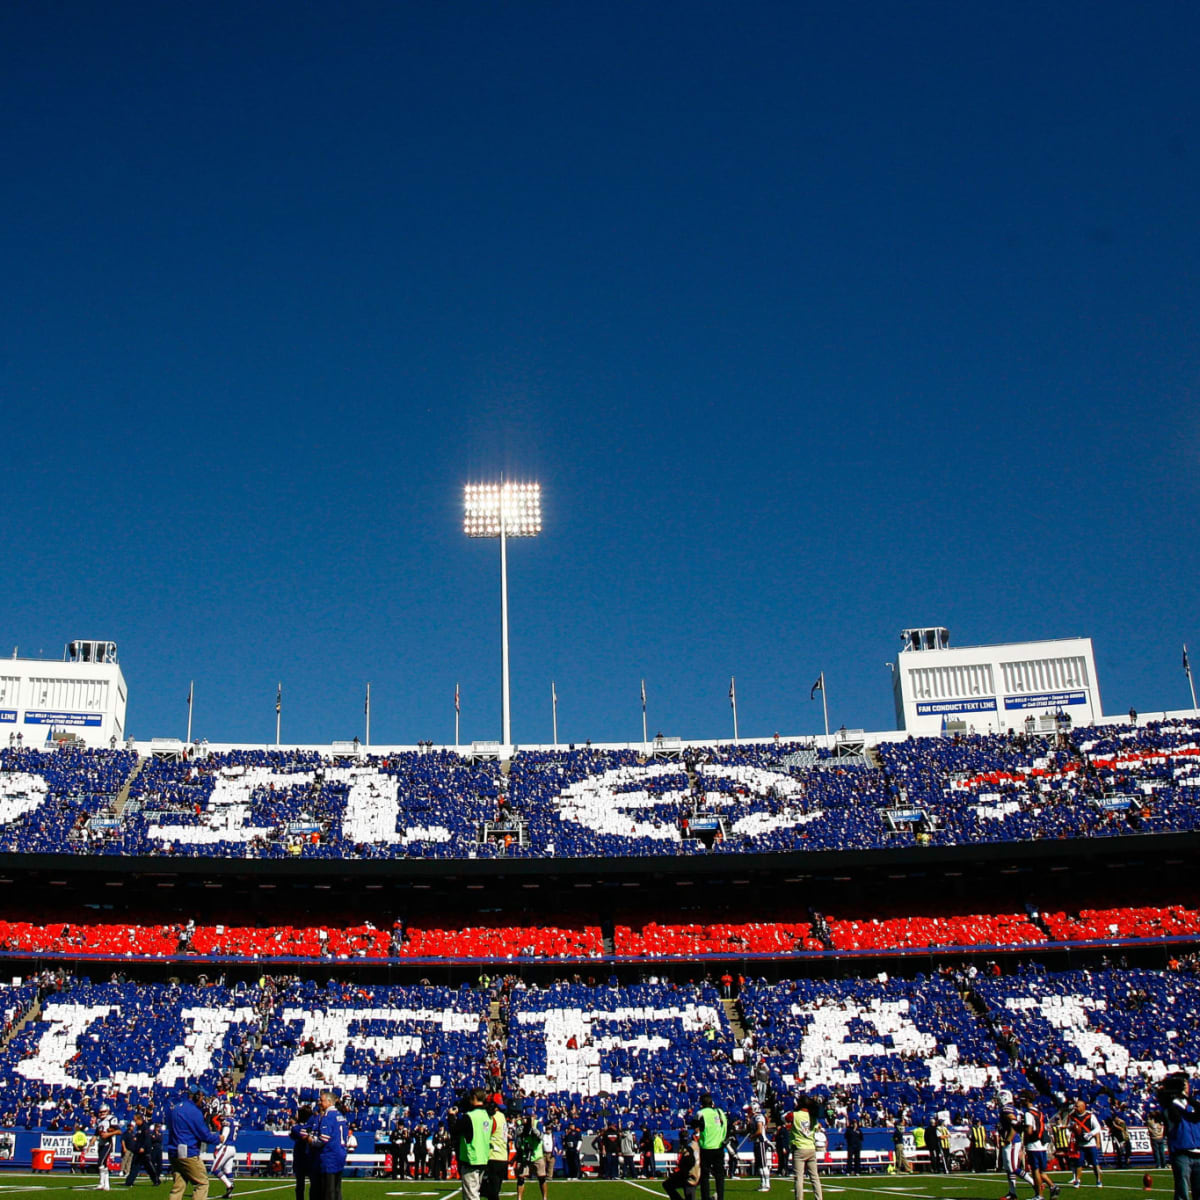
x=814, y=321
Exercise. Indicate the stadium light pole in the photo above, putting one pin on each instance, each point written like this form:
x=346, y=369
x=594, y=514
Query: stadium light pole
x=503, y=510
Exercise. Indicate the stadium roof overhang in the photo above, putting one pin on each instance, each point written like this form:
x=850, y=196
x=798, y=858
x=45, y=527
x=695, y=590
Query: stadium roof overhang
x=991, y=860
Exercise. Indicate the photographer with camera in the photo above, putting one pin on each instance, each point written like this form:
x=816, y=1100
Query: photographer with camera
x=531, y=1152
x=1183, y=1134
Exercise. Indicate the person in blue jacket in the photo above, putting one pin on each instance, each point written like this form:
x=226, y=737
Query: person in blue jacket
x=187, y=1132
x=1183, y=1134
x=304, y=1152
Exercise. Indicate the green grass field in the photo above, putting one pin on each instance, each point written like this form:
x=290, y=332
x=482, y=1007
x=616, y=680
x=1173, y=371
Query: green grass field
x=1117, y=1184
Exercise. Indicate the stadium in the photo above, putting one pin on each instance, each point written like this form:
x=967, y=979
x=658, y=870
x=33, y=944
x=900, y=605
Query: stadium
x=830, y=331
x=903, y=926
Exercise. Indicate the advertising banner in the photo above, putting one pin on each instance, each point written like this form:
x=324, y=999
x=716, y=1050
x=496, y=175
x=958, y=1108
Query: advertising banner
x=8, y=716
x=63, y=720
x=1045, y=700
x=938, y=708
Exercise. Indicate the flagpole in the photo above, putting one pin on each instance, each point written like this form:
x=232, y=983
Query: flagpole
x=733, y=702
x=1187, y=666
x=645, y=739
x=554, y=709
x=368, y=712
x=278, y=709
x=456, y=714
x=191, y=691
x=825, y=707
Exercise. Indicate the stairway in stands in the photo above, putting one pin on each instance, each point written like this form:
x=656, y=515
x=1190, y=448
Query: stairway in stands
x=122, y=797
x=30, y=1014
x=733, y=1014
x=608, y=936
x=496, y=1026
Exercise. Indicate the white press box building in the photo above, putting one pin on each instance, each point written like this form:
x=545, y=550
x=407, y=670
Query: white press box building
x=83, y=694
x=988, y=688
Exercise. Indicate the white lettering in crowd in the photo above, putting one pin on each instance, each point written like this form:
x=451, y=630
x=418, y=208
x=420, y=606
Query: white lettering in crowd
x=828, y=1047
x=329, y=1034
x=59, y=1043
x=208, y=1031
x=579, y=1068
x=372, y=813
x=66, y=1025
x=1101, y=1053
x=20, y=793
x=620, y=802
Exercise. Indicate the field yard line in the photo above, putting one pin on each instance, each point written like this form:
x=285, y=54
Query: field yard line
x=849, y=1187
x=640, y=1187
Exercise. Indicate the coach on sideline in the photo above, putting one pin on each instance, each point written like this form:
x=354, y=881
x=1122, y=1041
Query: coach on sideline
x=187, y=1132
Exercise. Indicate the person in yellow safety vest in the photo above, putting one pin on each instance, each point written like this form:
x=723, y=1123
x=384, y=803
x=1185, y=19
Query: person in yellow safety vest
x=713, y=1127
x=803, y=1123
x=472, y=1134
x=980, y=1145
x=79, y=1141
x=497, y=1168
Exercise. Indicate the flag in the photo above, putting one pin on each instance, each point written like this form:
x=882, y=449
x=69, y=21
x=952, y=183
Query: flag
x=191, y=686
x=732, y=693
x=1187, y=670
x=457, y=707
x=819, y=686
x=643, y=695
x=279, y=700
x=367, y=702
x=553, y=694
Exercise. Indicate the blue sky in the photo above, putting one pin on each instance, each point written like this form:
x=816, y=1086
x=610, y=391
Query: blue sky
x=814, y=322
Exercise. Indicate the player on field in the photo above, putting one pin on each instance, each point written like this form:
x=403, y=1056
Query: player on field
x=225, y=1154
x=756, y=1130
x=106, y=1130
x=1037, y=1145
x=1085, y=1125
x=1010, y=1130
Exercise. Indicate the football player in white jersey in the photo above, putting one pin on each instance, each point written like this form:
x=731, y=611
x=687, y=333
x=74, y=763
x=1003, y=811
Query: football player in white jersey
x=225, y=1154
x=756, y=1130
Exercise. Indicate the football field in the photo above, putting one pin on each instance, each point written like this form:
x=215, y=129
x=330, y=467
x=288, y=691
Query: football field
x=1122, y=1184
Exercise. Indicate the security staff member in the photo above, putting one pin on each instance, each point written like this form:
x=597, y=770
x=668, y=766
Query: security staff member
x=1064, y=1142
x=713, y=1125
x=803, y=1123
x=980, y=1145
x=473, y=1138
x=497, y=1168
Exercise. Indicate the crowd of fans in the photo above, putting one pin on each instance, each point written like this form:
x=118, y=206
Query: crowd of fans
x=586, y=802
x=496, y=939
x=877, y=1050
x=364, y=941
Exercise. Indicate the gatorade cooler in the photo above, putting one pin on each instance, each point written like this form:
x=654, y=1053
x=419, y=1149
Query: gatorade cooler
x=43, y=1160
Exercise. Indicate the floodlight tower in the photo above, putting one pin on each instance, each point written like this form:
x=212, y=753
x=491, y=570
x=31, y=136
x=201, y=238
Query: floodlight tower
x=503, y=510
